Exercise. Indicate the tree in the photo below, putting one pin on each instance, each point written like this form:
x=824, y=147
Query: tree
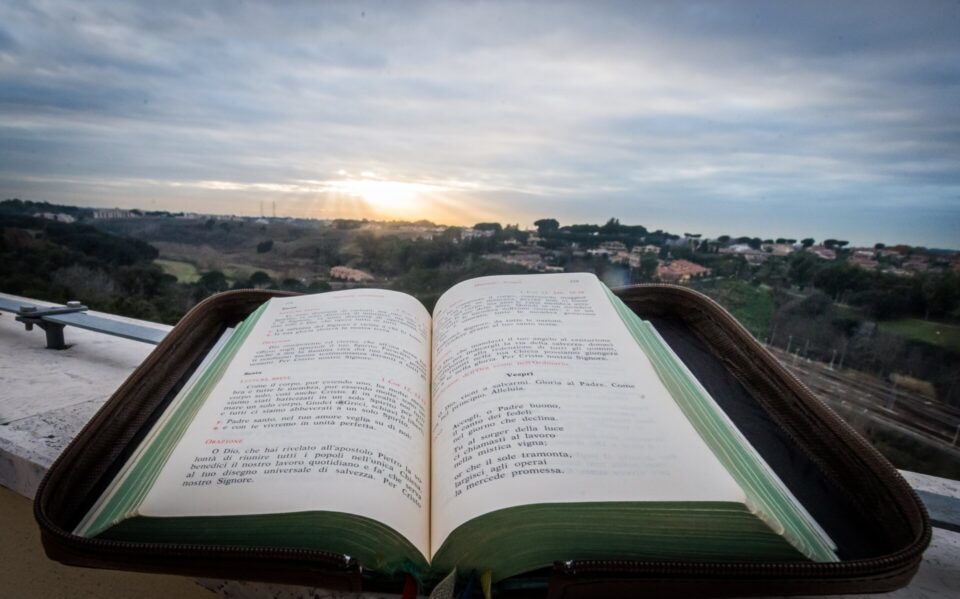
x=547, y=225
x=724, y=239
x=940, y=294
x=264, y=246
x=830, y=243
x=318, y=286
x=260, y=279
x=803, y=267
x=495, y=227
x=879, y=246
x=291, y=284
x=212, y=281
x=809, y=241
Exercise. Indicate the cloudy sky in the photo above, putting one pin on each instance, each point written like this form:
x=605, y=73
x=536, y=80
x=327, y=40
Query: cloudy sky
x=818, y=119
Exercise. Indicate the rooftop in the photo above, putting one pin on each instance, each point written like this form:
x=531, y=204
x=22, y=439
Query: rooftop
x=48, y=395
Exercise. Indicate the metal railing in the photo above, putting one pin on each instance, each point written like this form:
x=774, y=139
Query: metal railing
x=53, y=319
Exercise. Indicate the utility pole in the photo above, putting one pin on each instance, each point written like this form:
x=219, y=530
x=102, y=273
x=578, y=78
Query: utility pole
x=274, y=209
x=833, y=357
x=789, y=342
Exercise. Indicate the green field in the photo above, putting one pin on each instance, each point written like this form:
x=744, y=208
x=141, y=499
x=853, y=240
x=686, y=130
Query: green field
x=935, y=333
x=184, y=271
x=752, y=305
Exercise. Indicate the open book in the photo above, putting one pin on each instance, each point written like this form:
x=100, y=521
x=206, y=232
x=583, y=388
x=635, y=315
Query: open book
x=533, y=419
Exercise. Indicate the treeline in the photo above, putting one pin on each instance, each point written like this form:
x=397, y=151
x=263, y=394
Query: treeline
x=817, y=328
x=392, y=255
x=29, y=208
x=59, y=262
x=590, y=236
x=880, y=295
x=886, y=296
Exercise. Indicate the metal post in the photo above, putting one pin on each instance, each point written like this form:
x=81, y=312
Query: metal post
x=833, y=357
x=789, y=342
x=54, y=334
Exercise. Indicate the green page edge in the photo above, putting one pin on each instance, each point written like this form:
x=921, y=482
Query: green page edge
x=765, y=495
x=128, y=496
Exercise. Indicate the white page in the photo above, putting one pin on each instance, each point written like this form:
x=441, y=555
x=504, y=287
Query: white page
x=541, y=395
x=324, y=407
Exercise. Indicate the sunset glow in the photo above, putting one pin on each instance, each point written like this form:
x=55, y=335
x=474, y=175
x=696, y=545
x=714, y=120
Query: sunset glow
x=390, y=199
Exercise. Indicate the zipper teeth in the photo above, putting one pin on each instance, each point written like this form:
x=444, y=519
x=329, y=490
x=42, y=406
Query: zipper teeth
x=329, y=558
x=899, y=559
x=893, y=561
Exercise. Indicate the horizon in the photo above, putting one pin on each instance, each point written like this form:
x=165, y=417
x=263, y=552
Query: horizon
x=818, y=241
x=738, y=119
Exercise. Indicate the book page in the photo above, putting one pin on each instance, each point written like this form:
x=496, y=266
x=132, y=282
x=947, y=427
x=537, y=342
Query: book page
x=324, y=407
x=541, y=395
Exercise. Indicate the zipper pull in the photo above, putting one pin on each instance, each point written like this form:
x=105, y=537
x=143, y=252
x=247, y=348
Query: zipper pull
x=564, y=567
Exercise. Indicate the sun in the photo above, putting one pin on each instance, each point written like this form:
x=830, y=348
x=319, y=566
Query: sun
x=388, y=198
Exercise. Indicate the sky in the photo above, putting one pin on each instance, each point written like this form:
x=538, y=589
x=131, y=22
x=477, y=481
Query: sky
x=770, y=119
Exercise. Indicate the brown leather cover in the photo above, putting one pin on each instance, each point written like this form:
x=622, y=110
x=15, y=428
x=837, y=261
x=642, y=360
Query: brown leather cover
x=874, y=516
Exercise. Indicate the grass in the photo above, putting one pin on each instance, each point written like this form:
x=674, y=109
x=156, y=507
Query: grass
x=750, y=304
x=926, y=331
x=184, y=271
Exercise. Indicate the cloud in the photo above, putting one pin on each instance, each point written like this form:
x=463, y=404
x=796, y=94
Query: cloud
x=690, y=115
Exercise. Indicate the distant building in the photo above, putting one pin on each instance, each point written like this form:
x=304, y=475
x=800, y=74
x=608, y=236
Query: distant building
x=916, y=264
x=637, y=253
x=60, y=217
x=778, y=249
x=865, y=262
x=528, y=257
x=615, y=250
x=109, y=213
x=680, y=271
x=741, y=249
x=614, y=246
x=468, y=233
x=345, y=273
x=823, y=253
x=427, y=232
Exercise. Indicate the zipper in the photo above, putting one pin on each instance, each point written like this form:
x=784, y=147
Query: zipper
x=907, y=557
x=163, y=389
x=872, y=567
